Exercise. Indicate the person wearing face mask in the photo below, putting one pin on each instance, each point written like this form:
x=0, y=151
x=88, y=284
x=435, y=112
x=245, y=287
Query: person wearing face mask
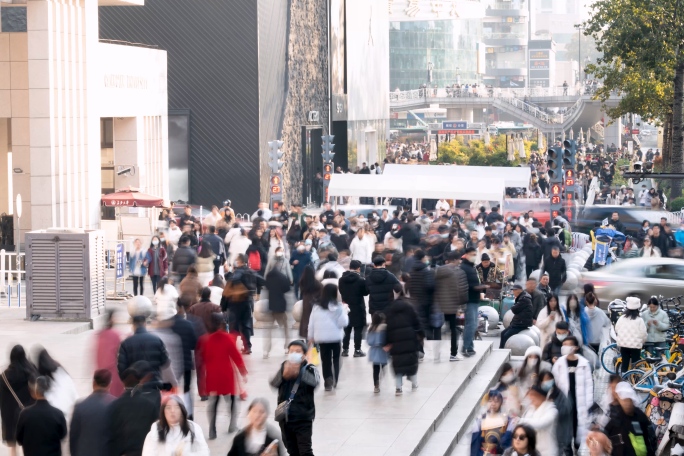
x=552, y=350
x=474, y=289
x=528, y=375
x=578, y=320
x=156, y=262
x=550, y=315
x=631, y=333
x=546, y=381
x=493, y=429
x=573, y=376
x=362, y=247
x=657, y=323
x=296, y=381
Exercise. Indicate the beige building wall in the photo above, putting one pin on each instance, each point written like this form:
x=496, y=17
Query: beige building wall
x=56, y=82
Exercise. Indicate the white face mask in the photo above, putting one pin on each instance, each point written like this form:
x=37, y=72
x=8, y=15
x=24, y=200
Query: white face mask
x=295, y=358
x=567, y=350
x=508, y=378
x=532, y=362
x=561, y=337
x=155, y=242
x=279, y=254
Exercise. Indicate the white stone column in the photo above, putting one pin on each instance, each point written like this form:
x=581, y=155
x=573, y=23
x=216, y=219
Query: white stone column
x=613, y=133
x=64, y=124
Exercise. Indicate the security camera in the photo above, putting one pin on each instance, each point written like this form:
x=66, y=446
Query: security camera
x=125, y=169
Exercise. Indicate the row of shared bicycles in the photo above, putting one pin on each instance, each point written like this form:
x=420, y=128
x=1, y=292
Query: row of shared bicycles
x=658, y=376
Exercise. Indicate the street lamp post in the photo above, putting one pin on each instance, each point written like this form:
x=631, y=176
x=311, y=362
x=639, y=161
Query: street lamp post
x=579, y=52
x=18, y=208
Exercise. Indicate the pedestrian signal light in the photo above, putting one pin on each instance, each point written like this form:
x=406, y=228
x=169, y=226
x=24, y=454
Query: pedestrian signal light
x=556, y=189
x=555, y=199
x=275, y=180
x=328, y=147
x=276, y=189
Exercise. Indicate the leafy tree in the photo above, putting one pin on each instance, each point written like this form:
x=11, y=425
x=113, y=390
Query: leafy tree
x=643, y=60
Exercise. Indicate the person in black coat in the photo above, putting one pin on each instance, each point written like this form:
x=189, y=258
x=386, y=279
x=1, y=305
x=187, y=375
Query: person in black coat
x=523, y=315
x=381, y=286
x=421, y=289
x=15, y=379
x=131, y=416
x=278, y=285
x=409, y=233
x=187, y=333
x=184, y=257
x=555, y=266
x=628, y=422
x=143, y=346
x=89, y=420
x=474, y=289
x=41, y=427
x=353, y=288
x=402, y=341
x=533, y=253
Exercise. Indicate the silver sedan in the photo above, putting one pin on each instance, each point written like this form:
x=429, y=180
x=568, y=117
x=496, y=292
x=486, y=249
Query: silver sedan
x=641, y=277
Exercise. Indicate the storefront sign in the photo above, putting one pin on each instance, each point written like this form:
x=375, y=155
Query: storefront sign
x=417, y=10
x=459, y=125
x=459, y=132
x=119, y=261
x=122, y=81
x=539, y=55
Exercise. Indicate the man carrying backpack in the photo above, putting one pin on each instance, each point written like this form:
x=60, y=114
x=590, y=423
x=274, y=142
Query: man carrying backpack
x=237, y=300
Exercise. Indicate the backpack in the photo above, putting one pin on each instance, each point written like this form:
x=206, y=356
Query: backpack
x=254, y=261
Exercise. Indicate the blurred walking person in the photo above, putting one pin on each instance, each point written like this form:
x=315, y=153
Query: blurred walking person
x=257, y=437
x=41, y=427
x=89, y=421
x=326, y=328
x=310, y=290
x=353, y=290
x=220, y=359
x=238, y=301
x=107, y=343
x=165, y=296
x=278, y=285
x=15, y=394
x=402, y=341
x=205, y=263
x=61, y=392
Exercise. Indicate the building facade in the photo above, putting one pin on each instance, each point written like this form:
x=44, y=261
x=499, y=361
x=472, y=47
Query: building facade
x=241, y=74
x=505, y=32
x=61, y=90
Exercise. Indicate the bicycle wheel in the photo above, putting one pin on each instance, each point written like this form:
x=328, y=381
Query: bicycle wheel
x=663, y=369
x=639, y=379
x=611, y=359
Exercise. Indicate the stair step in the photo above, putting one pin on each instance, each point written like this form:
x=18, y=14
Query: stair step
x=437, y=407
x=455, y=426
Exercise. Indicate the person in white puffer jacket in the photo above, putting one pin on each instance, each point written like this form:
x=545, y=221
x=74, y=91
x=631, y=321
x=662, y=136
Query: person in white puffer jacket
x=631, y=333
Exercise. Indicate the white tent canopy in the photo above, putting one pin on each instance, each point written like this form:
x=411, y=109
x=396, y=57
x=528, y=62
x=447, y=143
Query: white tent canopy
x=512, y=176
x=418, y=186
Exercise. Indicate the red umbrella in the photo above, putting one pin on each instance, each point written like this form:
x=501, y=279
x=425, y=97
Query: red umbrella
x=131, y=198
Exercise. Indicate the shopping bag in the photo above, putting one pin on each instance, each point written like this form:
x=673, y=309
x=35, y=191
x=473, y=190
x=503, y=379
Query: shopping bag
x=313, y=356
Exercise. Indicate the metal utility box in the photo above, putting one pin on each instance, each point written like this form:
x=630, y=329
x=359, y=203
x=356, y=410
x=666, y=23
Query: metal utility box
x=65, y=274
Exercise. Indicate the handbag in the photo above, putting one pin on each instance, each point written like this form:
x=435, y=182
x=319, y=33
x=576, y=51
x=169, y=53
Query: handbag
x=283, y=408
x=16, y=398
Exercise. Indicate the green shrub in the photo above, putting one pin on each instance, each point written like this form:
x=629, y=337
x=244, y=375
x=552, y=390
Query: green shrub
x=676, y=204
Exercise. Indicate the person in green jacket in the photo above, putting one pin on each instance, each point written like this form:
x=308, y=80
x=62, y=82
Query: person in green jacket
x=657, y=324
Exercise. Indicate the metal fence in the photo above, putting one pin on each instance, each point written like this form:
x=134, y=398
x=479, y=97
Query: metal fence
x=12, y=278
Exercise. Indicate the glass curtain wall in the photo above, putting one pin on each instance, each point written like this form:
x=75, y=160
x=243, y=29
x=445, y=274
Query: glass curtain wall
x=449, y=45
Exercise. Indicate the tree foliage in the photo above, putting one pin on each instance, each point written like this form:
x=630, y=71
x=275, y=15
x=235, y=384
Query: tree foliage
x=476, y=153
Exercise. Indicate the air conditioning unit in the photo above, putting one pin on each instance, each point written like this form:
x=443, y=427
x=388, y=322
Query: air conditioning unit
x=65, y=274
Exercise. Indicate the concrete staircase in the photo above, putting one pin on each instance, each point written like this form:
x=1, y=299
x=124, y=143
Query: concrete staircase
x=450, y=431
x=451, y=410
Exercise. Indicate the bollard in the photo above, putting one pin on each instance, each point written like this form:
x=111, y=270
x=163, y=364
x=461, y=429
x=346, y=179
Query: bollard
x=2, y=270
x=19, y=293
x=9, y=295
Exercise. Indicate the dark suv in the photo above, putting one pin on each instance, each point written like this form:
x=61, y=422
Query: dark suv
x=631, y=217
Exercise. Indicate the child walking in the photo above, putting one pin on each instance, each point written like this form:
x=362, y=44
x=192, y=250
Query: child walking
x=377, y=334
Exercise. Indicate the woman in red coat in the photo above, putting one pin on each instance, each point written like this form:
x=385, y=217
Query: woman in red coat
x=220, y=357
x=107, y=344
